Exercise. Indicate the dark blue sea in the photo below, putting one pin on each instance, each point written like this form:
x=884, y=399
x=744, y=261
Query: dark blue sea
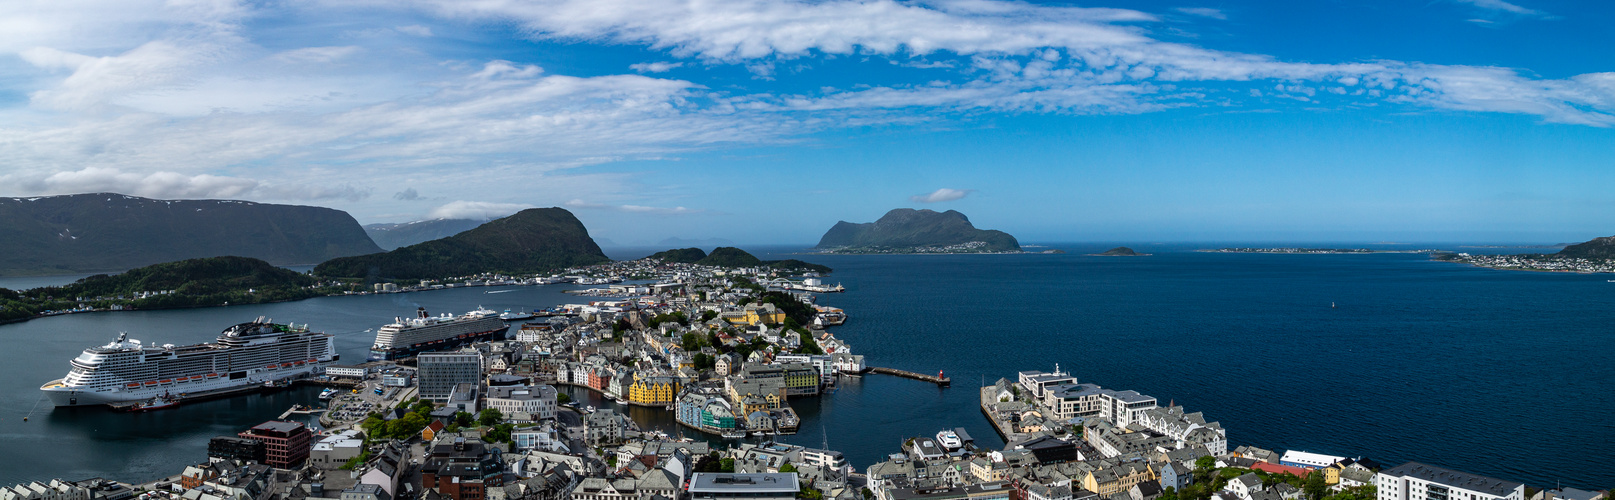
x=1493, y=372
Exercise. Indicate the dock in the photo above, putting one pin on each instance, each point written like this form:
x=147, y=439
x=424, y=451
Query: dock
x=940, y=381
x=298, y=410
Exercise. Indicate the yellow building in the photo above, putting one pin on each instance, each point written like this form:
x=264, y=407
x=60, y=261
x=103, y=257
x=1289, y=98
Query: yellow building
x=1117, y=479
x=755, y=314
x=654, y=390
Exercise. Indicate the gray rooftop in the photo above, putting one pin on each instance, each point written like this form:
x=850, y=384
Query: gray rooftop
x=1452, y=478
x=719, y=482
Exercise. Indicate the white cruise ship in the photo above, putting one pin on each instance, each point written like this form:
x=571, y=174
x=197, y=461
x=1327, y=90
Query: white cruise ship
x=246, y=356
x=405, y=338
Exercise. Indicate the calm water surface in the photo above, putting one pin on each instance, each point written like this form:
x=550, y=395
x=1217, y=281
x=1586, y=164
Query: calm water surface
x=1493, y=372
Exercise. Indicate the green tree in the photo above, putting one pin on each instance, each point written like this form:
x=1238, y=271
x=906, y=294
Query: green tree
x=726, y=465
x=1315, y=487
x=490, y=417
x=463, y=419
x=707, y=315
x=690, y=342
x=787, y=468
x=562, y=398
x=1205, y=462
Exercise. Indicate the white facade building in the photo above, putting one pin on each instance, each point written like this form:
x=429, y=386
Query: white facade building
x=1416, y=481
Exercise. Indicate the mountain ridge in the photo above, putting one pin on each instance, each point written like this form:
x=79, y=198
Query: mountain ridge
x=108, y=232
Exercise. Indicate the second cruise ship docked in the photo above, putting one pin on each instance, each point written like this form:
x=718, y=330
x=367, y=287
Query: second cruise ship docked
x=405, y=338
x=244, y=357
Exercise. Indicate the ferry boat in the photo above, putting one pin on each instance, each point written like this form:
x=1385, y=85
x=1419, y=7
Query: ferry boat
x=517, y=316
x=327, y=394
x=404, y=338
x=949, y=440
x=734, y=435
x=244, y=357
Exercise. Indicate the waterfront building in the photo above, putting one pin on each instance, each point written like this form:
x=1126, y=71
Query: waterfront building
x=1036, y=383
x=286, y=444
x=235, y=449
x=349, y=371
x=654, y=390
x=731, y=486
x=440, y=372
x=1416, y=481
x=1088, y=400
x=538, y=401
x=1308, y=460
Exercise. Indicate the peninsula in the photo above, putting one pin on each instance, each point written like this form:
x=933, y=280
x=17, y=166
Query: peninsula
x=909, y=231
x=1592, y=256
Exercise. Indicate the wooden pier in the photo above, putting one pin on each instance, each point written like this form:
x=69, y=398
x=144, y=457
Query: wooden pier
x=937, y=379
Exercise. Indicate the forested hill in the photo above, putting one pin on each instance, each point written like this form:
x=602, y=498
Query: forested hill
x=536, y=240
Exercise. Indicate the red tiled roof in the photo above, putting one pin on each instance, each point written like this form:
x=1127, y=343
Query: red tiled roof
x=1280, y=469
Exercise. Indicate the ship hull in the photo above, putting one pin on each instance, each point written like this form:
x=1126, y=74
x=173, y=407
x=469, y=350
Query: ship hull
x=61, y=395
x=438, y=345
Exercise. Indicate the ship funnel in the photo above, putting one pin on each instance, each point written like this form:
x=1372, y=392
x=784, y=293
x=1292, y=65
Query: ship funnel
x=421, y=313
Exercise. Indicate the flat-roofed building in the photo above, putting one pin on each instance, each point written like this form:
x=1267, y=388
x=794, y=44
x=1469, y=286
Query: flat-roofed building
x=1416, y=481
x=730, y=486
x=286, y=444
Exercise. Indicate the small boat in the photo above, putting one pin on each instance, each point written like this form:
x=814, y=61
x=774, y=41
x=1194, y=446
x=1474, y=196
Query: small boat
x=589, y=409
x=157, y=403
x=327, y=394
x=734, y=435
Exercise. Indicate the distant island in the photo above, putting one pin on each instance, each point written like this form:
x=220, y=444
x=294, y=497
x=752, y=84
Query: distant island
x=1119, y=252
x=109, y=232
x=536, y=240
x=733, y=257
x=909, y=231
x=1593, y=256
x=399, y=235
x=1312, y=251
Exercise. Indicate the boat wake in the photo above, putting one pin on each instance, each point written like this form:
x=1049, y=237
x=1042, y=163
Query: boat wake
x=499, y=291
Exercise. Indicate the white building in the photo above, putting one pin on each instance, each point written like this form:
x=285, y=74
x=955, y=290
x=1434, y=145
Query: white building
x=1036, y=382
x=1308, y=460
x=1416, y=481
x=347, y=371
x=538, y=401
x=1189, y=429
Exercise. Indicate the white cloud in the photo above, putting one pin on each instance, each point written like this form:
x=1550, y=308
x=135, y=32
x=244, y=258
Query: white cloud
x=170, y=185
x=635, y=209
x=318, y=54
x=1009, y=43
x=408, y=194
x=1203, y=12
x=414, y=29
x=941, y=195
x=1502, y=6
x=655, y=67
x=476, y=210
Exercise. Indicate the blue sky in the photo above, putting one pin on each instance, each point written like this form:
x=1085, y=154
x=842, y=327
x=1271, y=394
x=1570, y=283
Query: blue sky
x=768, y=121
